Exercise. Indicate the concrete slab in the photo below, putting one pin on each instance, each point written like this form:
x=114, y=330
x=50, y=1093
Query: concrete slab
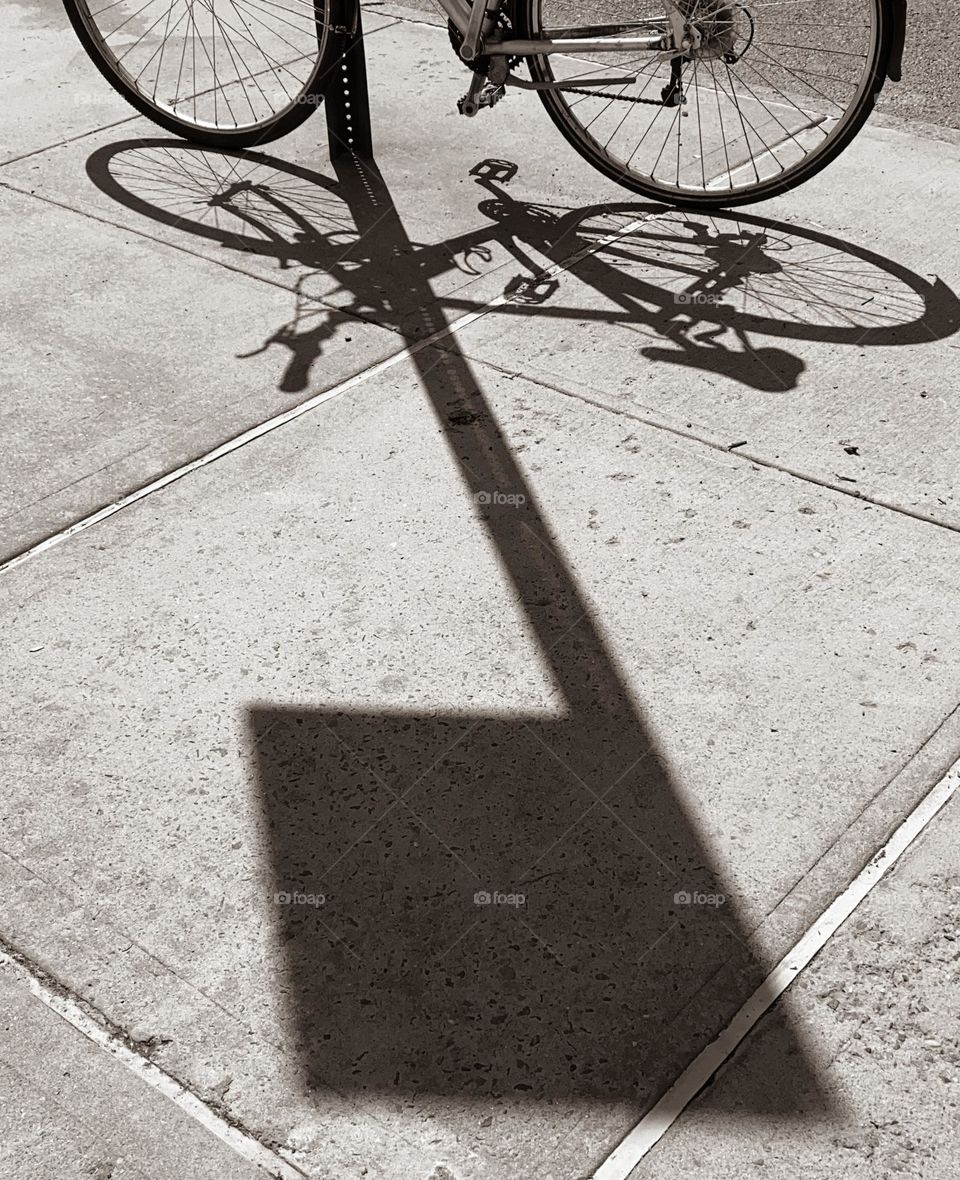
x=250, y=688
x=52, y=92
x=879, y=1008
x=123, y=358
x=71, y=1110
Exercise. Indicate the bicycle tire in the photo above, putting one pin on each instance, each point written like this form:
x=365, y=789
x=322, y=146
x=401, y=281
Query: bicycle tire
x=590, y=149
x=311, y=96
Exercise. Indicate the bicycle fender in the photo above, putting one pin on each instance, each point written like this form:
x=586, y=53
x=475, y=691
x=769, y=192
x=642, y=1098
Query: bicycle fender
x=898, y=12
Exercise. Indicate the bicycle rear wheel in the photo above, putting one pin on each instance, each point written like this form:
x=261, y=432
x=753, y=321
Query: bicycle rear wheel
x=228, y=73
x=769, y=92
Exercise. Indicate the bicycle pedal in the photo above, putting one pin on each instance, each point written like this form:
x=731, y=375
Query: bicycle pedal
x=489, y=96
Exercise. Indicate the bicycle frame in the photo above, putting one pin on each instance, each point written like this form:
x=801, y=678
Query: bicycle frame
x=470, y=19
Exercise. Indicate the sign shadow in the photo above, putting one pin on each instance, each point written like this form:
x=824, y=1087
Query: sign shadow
x=489, y=905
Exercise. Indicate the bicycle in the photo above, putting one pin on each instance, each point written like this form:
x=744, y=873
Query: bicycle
x=694, y=103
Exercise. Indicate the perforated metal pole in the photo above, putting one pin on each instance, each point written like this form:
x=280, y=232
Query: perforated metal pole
x=347, y=100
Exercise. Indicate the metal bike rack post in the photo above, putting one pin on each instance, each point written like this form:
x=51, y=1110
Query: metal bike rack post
x=347, y=100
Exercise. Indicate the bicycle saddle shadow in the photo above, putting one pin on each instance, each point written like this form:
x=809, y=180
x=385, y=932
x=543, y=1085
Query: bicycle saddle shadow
x=771, y=370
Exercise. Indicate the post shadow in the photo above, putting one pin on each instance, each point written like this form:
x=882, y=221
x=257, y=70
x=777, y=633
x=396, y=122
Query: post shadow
x=474, y=905
x=421, y=970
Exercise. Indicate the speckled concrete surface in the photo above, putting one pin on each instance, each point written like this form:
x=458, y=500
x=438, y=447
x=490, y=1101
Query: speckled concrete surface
x=110, y=378
x=360, y=772
x=879, y=1006
x=71, y=1110
x=376, y=607
x=52, y=90
x=817, y=344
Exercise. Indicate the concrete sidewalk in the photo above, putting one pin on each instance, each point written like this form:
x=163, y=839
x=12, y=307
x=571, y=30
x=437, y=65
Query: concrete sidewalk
x=358, y=773
x=72, y=1110
x=879, y=1006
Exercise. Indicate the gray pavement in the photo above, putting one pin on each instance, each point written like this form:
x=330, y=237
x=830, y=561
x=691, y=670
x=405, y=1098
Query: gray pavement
x=886, y=1047
x=600, y=600
x=69, y=1109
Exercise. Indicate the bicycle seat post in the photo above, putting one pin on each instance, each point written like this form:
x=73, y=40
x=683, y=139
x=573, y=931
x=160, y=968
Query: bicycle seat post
x=347, y=100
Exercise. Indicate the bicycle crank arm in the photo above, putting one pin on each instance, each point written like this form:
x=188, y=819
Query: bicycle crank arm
x=524, y=84
x=481, y=94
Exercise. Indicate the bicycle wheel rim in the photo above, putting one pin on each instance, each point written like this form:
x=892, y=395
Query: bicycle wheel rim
x=762, y=136
x=219, y=67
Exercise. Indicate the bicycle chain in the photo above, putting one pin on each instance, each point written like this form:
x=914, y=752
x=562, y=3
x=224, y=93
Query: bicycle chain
x=653, y=102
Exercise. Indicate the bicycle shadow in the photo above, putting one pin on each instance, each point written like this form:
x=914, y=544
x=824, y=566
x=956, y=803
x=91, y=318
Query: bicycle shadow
x=736, y=255
x=480, y=906
x=699, y=287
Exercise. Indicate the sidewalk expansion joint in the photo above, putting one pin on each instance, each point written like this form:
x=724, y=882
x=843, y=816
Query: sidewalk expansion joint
x=812, y=866
x=304, y=407
x=98, y=1028
x=735, y=451
x=706, y=1065
x=132, y=118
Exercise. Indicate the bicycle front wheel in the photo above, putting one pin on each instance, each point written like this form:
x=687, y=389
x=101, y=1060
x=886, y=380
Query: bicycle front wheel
x=228, y=73
x=765, y=94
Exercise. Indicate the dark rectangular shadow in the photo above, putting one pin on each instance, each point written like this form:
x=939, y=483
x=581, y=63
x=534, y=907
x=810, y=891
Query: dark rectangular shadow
x=482, y=905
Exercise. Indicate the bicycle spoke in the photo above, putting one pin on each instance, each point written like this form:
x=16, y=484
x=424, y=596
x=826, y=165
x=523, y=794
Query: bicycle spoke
x=218, y=64
x=765, y=88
